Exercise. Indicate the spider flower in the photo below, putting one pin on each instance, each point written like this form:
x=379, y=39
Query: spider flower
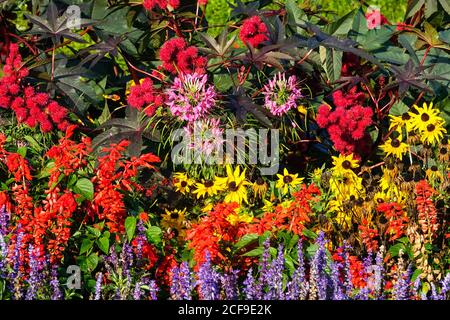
x=190, y=98
x=281, y=94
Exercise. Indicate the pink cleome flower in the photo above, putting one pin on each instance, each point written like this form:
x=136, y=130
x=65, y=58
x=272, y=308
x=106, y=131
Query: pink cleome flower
x=190, y=98
x=281, y=95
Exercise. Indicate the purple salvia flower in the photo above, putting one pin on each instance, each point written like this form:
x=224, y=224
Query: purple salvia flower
x=338, y=293
x=298, y=287
x=4, y=221
x=379, y=272
x=140, y=239
x=3, y=255
x=190, y=98
x=434, y=294
x=318, y=277
x=153, y=288
x=35, y=270
x=251, y=289
x=16, y=274
x=229, y=285
x=98, y=286
x=281, y=94
x=264, y=269
x=126, y=259
x=445, y=285
x=208, y=280
x=137, y=291
x=182, y=283
x=274, y=277
x=348, y=283
x=54, y=284
x=401, y=286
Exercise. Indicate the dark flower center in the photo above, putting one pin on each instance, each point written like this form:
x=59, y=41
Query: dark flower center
x=174, y=215
x=260, y=181
x=208, y=183
x=395, y=143
x=406, y=116
x=232, y=186
x=287, y=179
x=434, y=168
x=346, y=164
x=431, y=127
x=443, y=151
x=425, y=117
x=183, y=184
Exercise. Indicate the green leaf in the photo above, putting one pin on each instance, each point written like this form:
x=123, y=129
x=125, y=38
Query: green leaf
x=130, y=227
x=33, y=143
x=414, y=7
x=22, y=151
x=295, y=15
x=254, y=253
x=154, y=234
x=103, y=244
x=86, y=245
x=223, y=82
x=245, y=240
x=85, y=188
x=398, y=108
x=395, y=249
x=96, y=232
x=92, y=261
x=105, y=116
x=310, y=234
x=332, y=61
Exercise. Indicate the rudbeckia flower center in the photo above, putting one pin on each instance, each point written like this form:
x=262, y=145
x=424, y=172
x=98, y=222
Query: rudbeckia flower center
x=431, y=127
x=208, y=183
x=443, y=151
x=395, y=143
x=434, y=168
x=406, y=117
x=346, y=164
x=425, y=117
x=174, y=215
x=287, y=179
x=232, y=186
x=183, y=184
x=259, y=181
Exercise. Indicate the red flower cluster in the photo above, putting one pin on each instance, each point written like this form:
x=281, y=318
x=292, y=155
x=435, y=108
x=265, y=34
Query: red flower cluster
x=428, y=220
x=397, y=219
x=144, y=95
x=178, y=57
x=214, y=233
x=32, y=108
x=115, y=176
x=291, y=218
x=253, y=31
x=347, y=124
x=162, y=4
x=356, y=266
x=368, y=236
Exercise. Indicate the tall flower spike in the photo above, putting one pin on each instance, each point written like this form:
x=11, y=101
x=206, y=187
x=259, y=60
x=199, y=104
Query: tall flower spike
x=208, y=280
x=98, y=286
x=55, y=285
x=229, y=285
x=251, y=290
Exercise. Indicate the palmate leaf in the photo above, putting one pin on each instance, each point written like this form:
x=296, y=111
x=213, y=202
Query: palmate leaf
x=411, y=75
x=100, y=50
x=217, y=47
x=247, y=9
x=268, y=54
x=54, y=26
x=243, y=105
x=320, y=38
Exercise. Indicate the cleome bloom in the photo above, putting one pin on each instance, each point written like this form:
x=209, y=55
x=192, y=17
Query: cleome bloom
x=253, y=31
x=281, y=94
x=190, y=98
